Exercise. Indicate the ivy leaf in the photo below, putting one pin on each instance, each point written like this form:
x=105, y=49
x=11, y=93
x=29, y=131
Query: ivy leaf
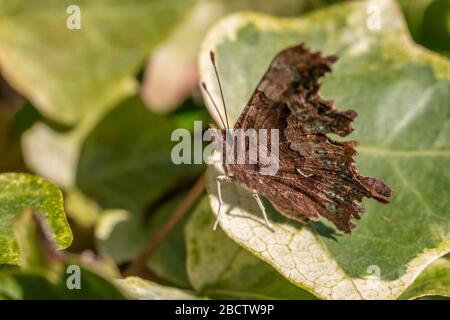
x=433, y=281
x=68, y=72
x=54, y=154
x=168, y=262
x=122, y=235
x=45, y=272
x=137, y=288
x=401, y=93
x=19, y=191
x=219, y=268
x=82, y=210
x=171, y=73
x=428, y=23
x=125, y=161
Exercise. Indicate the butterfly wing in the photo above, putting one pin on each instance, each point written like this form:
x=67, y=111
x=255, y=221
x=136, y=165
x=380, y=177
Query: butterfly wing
x=294, y=74
x=317, y=175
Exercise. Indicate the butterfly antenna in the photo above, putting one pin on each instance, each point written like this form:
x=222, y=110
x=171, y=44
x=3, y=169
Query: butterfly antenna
x=214, y=104
x=213, y=61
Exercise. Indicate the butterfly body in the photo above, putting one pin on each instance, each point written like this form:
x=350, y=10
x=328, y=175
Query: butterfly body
x=316, y=175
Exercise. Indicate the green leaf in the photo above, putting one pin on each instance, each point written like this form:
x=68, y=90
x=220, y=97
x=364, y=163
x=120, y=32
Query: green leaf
x=168, y=262
x=68, y=72
x=54, y=154
x=45, y=272
x=433, y=281
x=19, y=191
x=37, y=251
x=122, y=235
x=81, y=209
x=219, y=268
x=137, y=288
x=428, y=21
x=23, y=286
x=171, y=74
x=401, y=94
x=125, y=161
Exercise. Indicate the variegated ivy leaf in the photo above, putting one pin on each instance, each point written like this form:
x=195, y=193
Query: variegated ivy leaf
x=401, y=93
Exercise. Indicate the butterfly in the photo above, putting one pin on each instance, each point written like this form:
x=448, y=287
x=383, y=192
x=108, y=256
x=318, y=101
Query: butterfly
x=317, y=176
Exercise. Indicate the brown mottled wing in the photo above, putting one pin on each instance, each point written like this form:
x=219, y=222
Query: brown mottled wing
x=317, y=175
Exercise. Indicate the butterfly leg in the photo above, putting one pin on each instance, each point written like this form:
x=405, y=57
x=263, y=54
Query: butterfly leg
x=263, y=210
x=219, y=180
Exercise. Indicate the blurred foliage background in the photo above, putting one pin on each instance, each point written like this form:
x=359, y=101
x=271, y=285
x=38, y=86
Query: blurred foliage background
x=92, y=110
